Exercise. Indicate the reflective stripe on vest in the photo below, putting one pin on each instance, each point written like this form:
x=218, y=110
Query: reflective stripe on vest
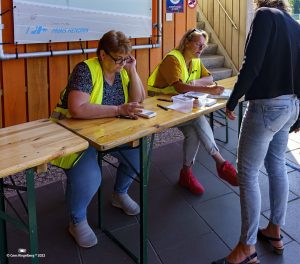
x=185, y=76
x=95, y=98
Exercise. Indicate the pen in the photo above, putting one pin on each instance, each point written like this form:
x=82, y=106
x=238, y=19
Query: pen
x=162, y=107
x=165, y=100
x=190, y=96
x=125, y=117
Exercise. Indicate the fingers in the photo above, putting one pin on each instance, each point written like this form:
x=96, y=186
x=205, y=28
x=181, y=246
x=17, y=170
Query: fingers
x=230, y=114
x=131, y=109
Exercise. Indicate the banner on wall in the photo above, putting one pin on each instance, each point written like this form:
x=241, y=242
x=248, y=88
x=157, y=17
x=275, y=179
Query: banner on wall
x=174, y=6
x=43, y=21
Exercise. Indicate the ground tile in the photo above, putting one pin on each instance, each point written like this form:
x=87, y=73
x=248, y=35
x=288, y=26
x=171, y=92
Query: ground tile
x=223, y=216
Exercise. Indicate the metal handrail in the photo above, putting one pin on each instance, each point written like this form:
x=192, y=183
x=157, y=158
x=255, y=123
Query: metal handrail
x=230, y=19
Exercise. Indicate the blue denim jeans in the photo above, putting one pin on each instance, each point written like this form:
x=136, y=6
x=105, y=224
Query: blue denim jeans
x=195, y=132
x=263, y=138
x=83, y=180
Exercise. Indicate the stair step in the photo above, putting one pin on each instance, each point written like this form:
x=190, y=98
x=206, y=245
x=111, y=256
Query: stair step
x=210, y=49
x=201, y=25
x=212, y=60
x=220, y=73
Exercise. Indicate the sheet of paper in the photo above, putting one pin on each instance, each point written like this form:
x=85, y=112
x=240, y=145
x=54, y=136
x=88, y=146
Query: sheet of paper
x=225, y=95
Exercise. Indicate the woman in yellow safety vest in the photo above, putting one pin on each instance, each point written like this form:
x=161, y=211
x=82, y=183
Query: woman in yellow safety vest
x=182, y=71
x=105, y=86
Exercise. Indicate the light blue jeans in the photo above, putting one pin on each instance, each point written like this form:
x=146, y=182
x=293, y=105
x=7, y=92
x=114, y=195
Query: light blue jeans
x=263, y=138
x=83, y=180
x=195, y=132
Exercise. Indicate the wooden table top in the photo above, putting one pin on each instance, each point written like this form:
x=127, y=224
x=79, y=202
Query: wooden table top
x=35, y=143
x=107, y=133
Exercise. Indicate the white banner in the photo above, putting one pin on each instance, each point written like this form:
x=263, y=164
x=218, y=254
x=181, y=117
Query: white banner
x=42, y=21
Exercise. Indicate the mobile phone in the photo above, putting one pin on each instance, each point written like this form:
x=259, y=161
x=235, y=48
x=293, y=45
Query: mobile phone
x=147, y=113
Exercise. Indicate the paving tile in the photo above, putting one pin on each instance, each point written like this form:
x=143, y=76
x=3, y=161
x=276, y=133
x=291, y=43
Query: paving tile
x=194, y=249
x=105, y=252
x=157, y=178
x=291, y=227
x=220, y=135
x=291, y=255
x=169, y=154
x=52, y=222
x=223, y=216
x=294, y=181
x=292, y=144
x=171, y=218
x=294, y=157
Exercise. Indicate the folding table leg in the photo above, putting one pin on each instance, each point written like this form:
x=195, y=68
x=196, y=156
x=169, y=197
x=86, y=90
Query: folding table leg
x=3, y=241
x=32, y=226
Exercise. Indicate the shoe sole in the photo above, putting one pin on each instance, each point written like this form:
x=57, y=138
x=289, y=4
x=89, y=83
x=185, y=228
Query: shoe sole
x=120, y=207
x=81, y=245
x=276, y=250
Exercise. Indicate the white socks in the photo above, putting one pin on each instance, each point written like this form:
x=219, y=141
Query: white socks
x=124, y=202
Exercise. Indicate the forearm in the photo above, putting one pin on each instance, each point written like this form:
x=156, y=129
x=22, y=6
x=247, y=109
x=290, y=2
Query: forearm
x=136, y=91
x=184, y=88
x=204, y=81
x=92, y=111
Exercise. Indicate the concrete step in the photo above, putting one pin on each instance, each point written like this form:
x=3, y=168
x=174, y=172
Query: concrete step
x=210, y=49
x=201, y=25
x=212, y=60
x=221, y=73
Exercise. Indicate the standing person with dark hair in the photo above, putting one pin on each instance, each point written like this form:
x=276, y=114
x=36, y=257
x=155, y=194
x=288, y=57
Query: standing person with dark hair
x=270, y=80
x=182, y=71
x=105, y=86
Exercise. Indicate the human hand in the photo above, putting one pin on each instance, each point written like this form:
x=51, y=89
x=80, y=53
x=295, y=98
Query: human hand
x=230, y=114
x=130, y=63
x=215, y=89
x=130, y=109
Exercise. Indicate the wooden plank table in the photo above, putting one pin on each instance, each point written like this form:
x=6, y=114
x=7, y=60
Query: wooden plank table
x=27, y=147
x=108, y=133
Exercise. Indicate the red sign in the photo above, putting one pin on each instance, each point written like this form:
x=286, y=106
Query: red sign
x=192, y=3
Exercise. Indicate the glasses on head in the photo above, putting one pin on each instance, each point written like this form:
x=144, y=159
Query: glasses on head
x=194, y=30
x=119, y=61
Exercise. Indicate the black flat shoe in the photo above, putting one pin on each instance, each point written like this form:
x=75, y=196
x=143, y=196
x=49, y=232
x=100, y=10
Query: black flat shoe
x=245, y=261
x=276, y=250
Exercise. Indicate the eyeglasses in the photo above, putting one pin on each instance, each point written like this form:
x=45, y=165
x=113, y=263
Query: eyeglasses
x=200, y=45
x=119, y=61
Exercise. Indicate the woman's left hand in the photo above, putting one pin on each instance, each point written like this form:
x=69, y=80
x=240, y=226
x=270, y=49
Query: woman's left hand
x=230, y=114
x=129, y=66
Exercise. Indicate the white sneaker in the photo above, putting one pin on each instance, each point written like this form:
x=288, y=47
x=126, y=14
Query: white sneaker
x=83, y=234
x=124, y=202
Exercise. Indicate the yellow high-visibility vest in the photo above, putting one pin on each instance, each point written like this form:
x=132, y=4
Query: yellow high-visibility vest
x=95, y=98
x=185, y=77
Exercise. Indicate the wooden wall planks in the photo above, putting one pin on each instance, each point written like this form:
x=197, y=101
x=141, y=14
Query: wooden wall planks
x=31, y=87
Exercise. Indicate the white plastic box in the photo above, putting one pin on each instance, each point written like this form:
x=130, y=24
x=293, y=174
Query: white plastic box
x=182, y=103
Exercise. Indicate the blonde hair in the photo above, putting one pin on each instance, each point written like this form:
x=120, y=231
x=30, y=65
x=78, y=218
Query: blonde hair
x=114, y=41
x=189, y=35
x=279, y=4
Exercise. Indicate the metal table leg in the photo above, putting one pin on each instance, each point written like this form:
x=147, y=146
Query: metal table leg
x=145, y=153
x=32, y=226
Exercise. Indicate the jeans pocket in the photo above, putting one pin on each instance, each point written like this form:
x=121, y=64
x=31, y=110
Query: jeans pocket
x=275, y=116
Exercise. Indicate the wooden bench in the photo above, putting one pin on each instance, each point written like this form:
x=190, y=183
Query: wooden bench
x=29, y=147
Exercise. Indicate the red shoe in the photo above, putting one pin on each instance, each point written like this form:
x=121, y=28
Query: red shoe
x=227, y=172
x=189, y=181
